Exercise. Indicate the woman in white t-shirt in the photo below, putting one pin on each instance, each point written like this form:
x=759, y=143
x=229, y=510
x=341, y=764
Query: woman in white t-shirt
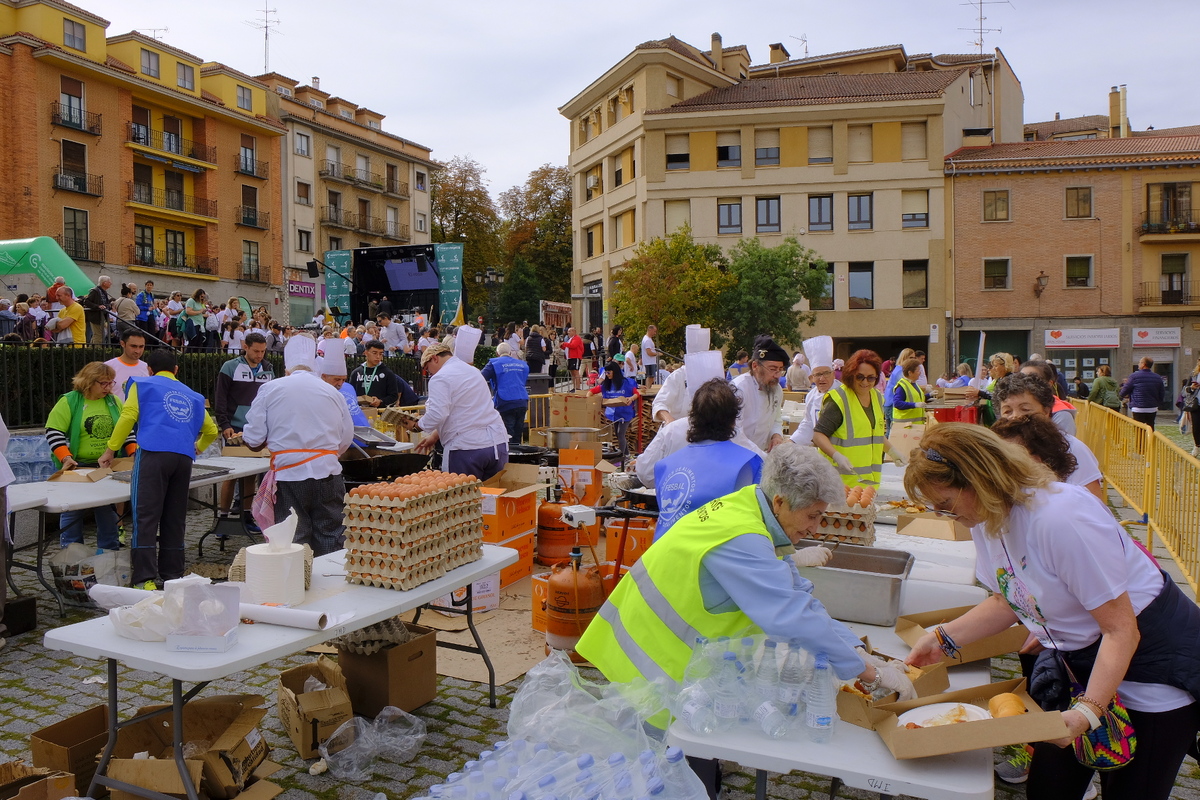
x=233, y=337
x=1060, y=564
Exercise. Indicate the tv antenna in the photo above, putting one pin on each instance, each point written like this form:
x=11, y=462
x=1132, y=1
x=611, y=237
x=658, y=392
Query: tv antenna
x=155, y=33
x=979, y=30
x=803, y=40
x=268, y=24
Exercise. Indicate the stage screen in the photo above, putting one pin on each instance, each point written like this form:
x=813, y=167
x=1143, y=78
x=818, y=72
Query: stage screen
x=403, y=275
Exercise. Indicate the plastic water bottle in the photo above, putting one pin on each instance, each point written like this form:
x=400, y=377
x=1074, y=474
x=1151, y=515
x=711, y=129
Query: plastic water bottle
x=699, y=664
x=655, y=787
x=677, y=775
x=791, y=680
x=726, y=702
x=771, y=720
x=745, y=693
x=622, y=786
x=498, y=787
x=767, y=677
x=749, y=646
x=821, y=714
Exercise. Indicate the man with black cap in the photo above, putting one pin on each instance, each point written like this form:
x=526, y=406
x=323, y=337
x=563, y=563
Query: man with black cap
x=761, y=419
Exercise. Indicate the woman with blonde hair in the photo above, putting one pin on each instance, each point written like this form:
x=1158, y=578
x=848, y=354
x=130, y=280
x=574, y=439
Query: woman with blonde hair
x=890, y=389
x=1061, y=565
x=999, y=365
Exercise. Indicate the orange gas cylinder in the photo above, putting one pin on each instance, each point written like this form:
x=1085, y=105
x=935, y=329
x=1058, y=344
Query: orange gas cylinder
x=555, y=538
x=573, y=596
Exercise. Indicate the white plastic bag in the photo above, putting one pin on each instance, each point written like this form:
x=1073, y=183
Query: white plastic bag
x=393, y=735
x=145, y=621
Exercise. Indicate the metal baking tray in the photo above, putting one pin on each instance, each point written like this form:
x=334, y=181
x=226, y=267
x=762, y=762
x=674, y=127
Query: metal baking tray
x=366, y=435
x=860, y=584
x=198, y=472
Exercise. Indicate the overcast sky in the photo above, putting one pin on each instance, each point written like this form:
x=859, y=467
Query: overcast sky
x=485, y=78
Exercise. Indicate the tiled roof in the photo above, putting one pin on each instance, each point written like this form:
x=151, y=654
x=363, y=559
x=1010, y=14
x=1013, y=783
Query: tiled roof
x=74, y=9
x=205, y=94
x=216, y=66
x=1077, y=153
x=676, y=46
x=282, y=78
x=137, y=36
x=118, y=64
x=1186, y=130
x=961, y=58
x=827, y=57
x=1044, y=130
x=819, y=90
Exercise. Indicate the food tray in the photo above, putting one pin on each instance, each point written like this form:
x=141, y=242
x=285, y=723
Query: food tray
x=198, y=472
x=860, y=584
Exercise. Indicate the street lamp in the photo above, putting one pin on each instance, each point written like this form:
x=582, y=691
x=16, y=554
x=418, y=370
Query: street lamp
x=1040, y=284
x=491, y=279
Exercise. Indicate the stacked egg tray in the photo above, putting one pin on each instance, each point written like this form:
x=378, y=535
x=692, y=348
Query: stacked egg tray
x=847, y=524
x=400, y=535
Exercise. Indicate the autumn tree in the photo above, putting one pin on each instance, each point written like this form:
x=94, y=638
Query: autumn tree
x=768, y=284
x=672, y=282
x=537, y=228
x=462, y=210
x=520, y=294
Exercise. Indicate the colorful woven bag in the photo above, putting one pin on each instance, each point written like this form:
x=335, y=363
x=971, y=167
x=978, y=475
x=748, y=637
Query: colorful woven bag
x=1112, y=745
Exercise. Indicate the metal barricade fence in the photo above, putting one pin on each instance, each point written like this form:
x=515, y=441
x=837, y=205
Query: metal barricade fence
x=1174, y=513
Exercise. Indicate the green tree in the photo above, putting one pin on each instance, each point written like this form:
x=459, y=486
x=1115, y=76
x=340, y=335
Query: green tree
x=537, y=227
x=672, y=283
x=520, y=294
x=462, y=210
x=769, y=283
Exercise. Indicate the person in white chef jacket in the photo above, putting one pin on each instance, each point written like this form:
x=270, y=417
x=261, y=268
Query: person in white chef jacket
x=761, y=419
x=819, y=351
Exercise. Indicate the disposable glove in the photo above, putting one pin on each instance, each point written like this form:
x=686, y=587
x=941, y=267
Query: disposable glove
x=843, y=464
x=893, y=677
x=897, y=459
x=869, y=659
x=919, y=405
x=812, y=556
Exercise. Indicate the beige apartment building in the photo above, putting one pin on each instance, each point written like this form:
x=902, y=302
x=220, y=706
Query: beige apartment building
x=842, y=151
x=348, y=184
x=1084, y=251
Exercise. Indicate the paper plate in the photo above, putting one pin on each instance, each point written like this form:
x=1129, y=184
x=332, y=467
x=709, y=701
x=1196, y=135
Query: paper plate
x=921, y=715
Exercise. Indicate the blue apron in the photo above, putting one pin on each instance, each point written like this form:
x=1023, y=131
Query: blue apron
x=700, y=472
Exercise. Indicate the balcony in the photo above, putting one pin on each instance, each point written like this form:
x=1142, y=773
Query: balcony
x=1177, y=293
x=367, y=224
x=396, y=230
x=169, y=200
x=76, y=118
x=249, y=271
x=169, y=143
x=396, y=187
x=336, y=216
x=344, y=172
x=142, y=256
x=77, y=182
x=253, y=217
x=82, y=249
x=1178, y=226
x=252, y=167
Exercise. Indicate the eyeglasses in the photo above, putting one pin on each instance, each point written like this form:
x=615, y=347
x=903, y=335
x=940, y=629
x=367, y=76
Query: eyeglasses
x=872, y=379
x=824, y=374
x=107, y=383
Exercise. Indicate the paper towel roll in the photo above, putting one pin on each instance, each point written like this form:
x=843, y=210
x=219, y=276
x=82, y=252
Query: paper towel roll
x=275, y=574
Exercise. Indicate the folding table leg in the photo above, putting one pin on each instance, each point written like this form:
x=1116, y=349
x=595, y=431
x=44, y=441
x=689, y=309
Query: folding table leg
x=41, y=550
x=834, y=786
x=102, y=766
x=760, y=785
x=482, y=650
x=177, y=702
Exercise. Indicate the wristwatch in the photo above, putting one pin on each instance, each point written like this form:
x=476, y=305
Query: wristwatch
x=871, y=686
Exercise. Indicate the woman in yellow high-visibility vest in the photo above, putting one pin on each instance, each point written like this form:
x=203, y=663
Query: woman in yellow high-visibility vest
x=850, y=430
x=908, y=399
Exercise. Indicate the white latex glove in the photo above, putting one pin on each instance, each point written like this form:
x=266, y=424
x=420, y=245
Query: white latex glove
x=897, y=459
x=869, y=659
x=842, y=463
x=919, y=405
x=894, y=678
x=812, y=556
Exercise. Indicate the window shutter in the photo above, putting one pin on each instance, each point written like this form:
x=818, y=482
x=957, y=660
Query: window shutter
x=860, y=144
x=677, y=143
x=1174, y=264
x=766, y=138
x=728, y=139
x=912, y=141
x=678, y=214
x=914, y=202
x=71, y=86
x=820, y=143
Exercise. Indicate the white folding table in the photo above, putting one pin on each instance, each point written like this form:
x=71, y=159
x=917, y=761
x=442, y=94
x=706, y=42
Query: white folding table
x=329, y=593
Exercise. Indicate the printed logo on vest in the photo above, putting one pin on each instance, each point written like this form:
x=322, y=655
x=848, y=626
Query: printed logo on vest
x=178, y=406
x=677, y=488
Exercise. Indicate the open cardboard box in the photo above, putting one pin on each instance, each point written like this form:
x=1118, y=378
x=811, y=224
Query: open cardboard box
x=911, y=627
x=241, y=451
x=1036, y=726
x=510, y=502
x=400, y=675
x=576, y=410
x=73, y=745
x=860, y=711
x=931, y=526
x=91, y=474
x=582, y=470
x=311, y=717
x=19, y=781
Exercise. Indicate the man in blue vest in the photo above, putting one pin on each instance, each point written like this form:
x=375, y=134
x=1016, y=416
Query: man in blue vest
x=172, y=428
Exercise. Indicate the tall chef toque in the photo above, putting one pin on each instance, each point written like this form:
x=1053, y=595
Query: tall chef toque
x=334, y=362
x=765, y=349
x=819, y=351
x=300, y=352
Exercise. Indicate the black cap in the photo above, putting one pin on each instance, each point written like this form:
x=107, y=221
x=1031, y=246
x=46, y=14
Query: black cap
x=765, y=349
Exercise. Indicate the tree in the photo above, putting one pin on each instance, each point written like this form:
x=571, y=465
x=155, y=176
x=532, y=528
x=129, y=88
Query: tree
x=672, y=283
x=537, y=227
x=769, y=282
x=462, y=210
x=520, y=294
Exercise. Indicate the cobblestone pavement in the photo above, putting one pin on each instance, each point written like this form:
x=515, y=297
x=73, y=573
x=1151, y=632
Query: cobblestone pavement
x=40, y=687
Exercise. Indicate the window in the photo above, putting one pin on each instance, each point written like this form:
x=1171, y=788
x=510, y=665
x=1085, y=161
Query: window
x=421, y=222
x=623, y=167
x=74, y=34
x=1079, y=272
x=143, y=244
x=70, y=99
x=593, y=182
x=820, y=212
x=143, y=176
x=915, y=284
x=245, y=100
x=859, y=144
x=995, y=273
x=74, y=164
x=766, y=148
x=678, y=213
x=304, y=241
x=674, y=86
x=364, y=214
x=286, y=91
x=246, y=161
x=346, y=114
x=303, y=193
x=995, y=205
x=176, y=249
x=678, y=152
x=149, y=63
x=767, y=215
x=185, y=76
x=729, y=216
x=373, y=124
x=249, y=261
x=420, y=181
x=139, y=128
x=303, y=144
x=392, y=218
x=75, y=233
x=333, y=155
x=172, y=135
x=623, y=231
x=1079, y=202
x=825, y=303
x=335, y=243
x=174, y=186
x=859, y=218
x=729, y=149
x=914, y=208
x=862, y=284
x=335, y=200
x=315, y=103
x=250, y=198
x=1174, y=277
x=363, y=165
x=820, y=145
x=1169, y=207
x=594, y=240
x=912, y=141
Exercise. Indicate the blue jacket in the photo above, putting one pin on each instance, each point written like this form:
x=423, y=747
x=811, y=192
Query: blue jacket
x=1145, y=389
x=507, y=378
x=145, y=302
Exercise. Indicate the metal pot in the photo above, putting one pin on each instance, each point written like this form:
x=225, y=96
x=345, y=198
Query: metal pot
x=561, y=438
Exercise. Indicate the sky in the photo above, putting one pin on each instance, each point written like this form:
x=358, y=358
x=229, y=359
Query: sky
x=484, y=78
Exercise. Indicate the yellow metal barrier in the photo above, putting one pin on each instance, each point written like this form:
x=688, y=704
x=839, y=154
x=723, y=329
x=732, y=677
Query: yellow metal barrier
x=1123, y=448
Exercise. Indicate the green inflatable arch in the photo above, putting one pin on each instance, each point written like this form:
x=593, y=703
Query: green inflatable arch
x=42, y=257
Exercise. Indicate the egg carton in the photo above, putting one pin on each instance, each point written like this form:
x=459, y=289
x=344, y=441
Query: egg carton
x=393, y=523
x=401, y=581
x=850, y=531
x=413, y=559
x=866, y=513
x=373, y=638
x=399, y=538
x=463, y=555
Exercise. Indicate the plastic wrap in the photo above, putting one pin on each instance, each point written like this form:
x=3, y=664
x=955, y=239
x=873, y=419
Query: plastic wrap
x=393, y=735
x=145, y=621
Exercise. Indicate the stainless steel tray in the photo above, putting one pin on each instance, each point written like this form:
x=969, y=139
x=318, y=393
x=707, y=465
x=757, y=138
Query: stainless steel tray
x=198, y=471
x=860, y=584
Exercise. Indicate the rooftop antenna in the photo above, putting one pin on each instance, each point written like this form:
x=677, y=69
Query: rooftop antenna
x=979, y=30
x=803, y=40
x=155, y=33
x=267, y=25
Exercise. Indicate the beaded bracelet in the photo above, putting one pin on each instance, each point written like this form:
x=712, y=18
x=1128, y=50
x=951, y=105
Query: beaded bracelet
x=1083, y=698
x=949, y=648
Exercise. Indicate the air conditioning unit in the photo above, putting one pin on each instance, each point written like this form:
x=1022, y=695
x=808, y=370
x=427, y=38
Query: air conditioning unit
x=593, y=181
x=65, y=181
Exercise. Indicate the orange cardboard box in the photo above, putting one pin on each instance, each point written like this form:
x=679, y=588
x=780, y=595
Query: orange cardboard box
x=638, y=539
x=523, y=543
x=537, y=595
x=583, y=470
x=510, y=501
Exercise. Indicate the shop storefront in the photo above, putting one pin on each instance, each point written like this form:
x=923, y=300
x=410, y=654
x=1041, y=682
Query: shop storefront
x=1079, y=352
x=593, y=304
x=302, y=302
x=1162, y=345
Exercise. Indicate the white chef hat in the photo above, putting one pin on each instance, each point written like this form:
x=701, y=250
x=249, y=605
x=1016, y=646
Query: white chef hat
x=697, y=339
x=299, y=352
x=819, y=351
x=334, y=363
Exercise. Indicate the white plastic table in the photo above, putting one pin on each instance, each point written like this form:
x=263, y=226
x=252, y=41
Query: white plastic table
x=329, y=593
x=23, y=500
x=858, y=757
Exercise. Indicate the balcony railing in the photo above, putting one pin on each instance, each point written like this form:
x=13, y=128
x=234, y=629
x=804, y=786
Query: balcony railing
x=1162, y=293
x=170, y=143
x=77, y=118
x=81, y=249
x=169, y=199
x=335, y=215
x=1186, y=221
x=250, y=166
x=396, y=230
x=250, y=271
x=345, y=172
x=368, y=178
x=80, y=182
x=368, y=224
x=396, y=187
x=253, y=217
x=142, y=256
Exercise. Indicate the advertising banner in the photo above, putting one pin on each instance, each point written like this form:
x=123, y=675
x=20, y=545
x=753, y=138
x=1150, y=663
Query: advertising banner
x=450, y=290
x=302, y=289
x=1156, y=337
x=337, y=287
x=1083, y=337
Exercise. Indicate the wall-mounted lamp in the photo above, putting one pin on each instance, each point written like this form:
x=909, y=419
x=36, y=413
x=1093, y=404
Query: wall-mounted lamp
x=1042, y=281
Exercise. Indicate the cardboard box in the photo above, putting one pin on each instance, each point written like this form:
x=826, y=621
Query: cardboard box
x=510, y=502
x=537, y=597
x=228, y=722
x=906, y=435
x=582, y=470
x=931, y=526
x=20, y=615
x=576, y=410
x=485, y=596
x=73, y=745
x=401, y=675
x=911, y=627
x=241, y=451
x=21, y=782
x=858, y=710
x=524, y=544
x=1036, y=726
x=638, y=539
x=311, y=717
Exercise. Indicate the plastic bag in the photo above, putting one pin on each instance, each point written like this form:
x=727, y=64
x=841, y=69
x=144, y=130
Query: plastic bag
x=146, y=621
x=393, y=735
x=77, y=568
x=206, y=609
x=314, y=684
